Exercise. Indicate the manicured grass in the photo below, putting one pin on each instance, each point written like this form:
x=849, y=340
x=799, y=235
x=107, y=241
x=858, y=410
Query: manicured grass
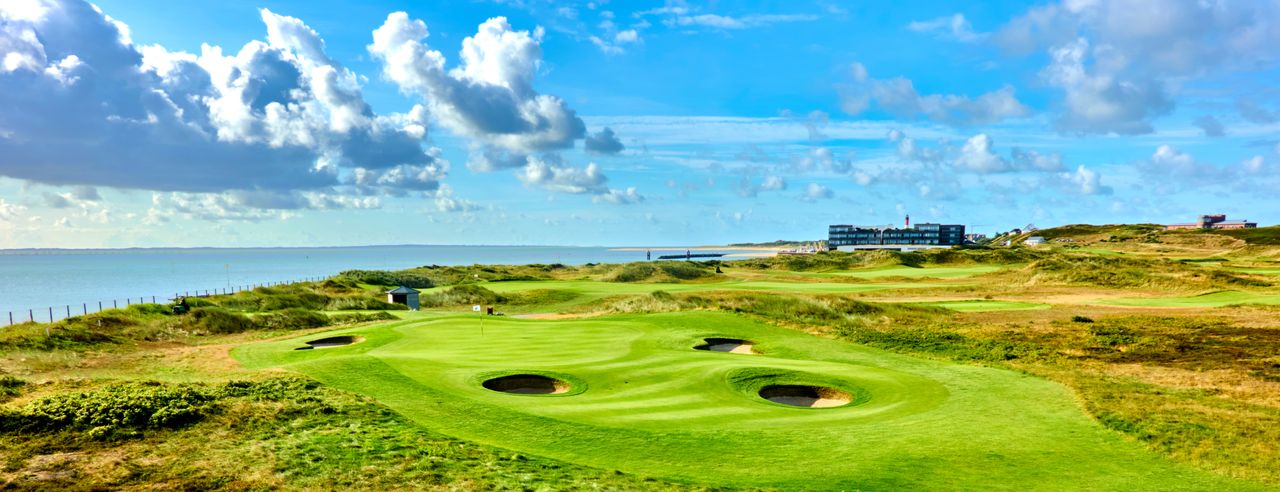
x=646, y=403
x=1258, y=271
x=1212, y=299
x=982, y=305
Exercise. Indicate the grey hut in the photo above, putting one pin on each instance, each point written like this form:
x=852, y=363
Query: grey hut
x=403, y=295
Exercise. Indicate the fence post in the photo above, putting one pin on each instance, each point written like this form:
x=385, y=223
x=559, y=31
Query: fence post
x=68, y=310
x=85, y=307
x=99, y=306
x=31, y=315
x=50, y=314
x=114, y=304
x=10, y=318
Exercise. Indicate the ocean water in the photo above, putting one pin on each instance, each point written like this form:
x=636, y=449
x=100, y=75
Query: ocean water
x=33, y=281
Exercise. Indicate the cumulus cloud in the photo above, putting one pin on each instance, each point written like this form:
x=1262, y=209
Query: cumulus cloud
x=815, y=192
x=1113, y=59
x=1084, y=181
x=446, y=202
x=604, y=141
x=898, y=96
x=1210, y=125
x=824, y=160
x=489, y=97
x=1168, y=160
x=977, y=155
x=1099, y=102
x=85, y=106
x=954, y=26
x=549, y=173
x=749, y=188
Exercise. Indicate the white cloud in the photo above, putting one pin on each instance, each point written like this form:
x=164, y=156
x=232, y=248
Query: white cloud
x=619, y=197
x=815, y=192
x=898, y=96
x=92, y=108
x=489, y=97
x=954, y=26
x=977, y=156
x=1099, y=102
x=824, y=160
x=1114, y=59
x=446, y=202
x=1085, y=181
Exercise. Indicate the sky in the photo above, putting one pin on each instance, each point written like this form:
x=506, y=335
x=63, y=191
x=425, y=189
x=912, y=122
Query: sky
x=134, y=123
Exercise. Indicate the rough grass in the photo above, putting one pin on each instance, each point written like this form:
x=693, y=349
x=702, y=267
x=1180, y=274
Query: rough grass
x=284, y=433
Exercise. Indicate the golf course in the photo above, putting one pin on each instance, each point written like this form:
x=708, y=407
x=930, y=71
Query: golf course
x=1050, y=368
x=643, y=401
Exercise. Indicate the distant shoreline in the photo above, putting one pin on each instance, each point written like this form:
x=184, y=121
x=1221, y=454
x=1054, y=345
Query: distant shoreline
x=704, y=248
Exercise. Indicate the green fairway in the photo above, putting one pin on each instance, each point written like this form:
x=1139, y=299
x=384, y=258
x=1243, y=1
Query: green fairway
x=643, y=401
x=1213, y=299
x=916, y=272
x=1257, y=271
x=983, y=305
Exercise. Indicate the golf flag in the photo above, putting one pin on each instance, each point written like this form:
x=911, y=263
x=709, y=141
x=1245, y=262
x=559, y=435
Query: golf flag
x=476, y=308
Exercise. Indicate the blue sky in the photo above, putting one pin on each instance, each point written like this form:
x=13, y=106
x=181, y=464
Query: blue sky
x=135, y=123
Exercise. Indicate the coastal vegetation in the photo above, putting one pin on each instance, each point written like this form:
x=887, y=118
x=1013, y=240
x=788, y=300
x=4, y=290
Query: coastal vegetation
x=1111, y=360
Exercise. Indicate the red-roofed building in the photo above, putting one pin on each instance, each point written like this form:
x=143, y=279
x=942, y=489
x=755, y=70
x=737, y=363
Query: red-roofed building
x=1215, y=221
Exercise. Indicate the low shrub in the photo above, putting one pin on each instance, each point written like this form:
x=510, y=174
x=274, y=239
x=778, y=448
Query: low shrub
x=387, y=278
x=292, y=319
x=352, y=318
x=219, y=320
x=362, y=303
x=108, y=410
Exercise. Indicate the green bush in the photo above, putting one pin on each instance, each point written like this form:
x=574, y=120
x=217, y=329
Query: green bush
x=10, y=387
x=462, y=295
x=387, y=278
x=350, y=303
x=293, y=319
x=352, y=318
x=128, y=406
x=219, y=320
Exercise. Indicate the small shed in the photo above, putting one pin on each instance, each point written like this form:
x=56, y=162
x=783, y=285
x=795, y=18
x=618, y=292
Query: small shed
x=403, y=295
x=1034, y=241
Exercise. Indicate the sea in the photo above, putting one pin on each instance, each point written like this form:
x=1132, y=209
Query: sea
x=44, y=284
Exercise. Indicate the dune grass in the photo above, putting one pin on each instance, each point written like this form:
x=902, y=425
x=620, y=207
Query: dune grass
x=651, y=405
x=984, y=305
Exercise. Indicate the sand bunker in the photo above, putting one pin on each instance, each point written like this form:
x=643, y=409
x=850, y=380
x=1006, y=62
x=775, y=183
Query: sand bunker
x=527, y=384
x=331, y=342
x=805, y=396
x=731, y=345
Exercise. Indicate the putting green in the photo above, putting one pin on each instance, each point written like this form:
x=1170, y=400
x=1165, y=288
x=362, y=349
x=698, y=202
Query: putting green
x=983, y=305
x=1212, y=299
x=642, y=400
